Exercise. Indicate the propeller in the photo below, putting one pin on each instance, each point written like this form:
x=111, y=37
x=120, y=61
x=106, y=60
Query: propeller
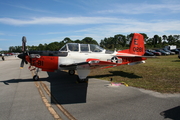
x=23, y=55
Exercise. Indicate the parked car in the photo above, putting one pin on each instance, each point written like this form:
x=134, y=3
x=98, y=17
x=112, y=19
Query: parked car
x=162, y=52
x=171, y=53
x=155, y=52
x=176, y=51
x=179, y=55
x=147, y=53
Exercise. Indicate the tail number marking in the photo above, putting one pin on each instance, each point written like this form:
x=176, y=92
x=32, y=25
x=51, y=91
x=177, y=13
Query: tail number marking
x=137, y=49
x=135, y=41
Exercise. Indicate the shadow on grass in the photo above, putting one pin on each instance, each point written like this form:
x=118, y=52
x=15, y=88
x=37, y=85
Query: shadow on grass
x=117, y=73
x=125, y=74
x=176, y=61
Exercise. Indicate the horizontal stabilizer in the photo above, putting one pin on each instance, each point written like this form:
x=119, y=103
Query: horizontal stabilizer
x=131, y=55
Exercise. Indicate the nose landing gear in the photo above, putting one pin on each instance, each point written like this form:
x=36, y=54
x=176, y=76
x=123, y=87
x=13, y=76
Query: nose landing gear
x=35, y=73
x=35, y=77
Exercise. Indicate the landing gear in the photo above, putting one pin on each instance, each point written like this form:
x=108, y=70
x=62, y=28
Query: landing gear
x=71, y=72
x=35, y=77
x=35, y=73
x=85, y=80
x=83, y=71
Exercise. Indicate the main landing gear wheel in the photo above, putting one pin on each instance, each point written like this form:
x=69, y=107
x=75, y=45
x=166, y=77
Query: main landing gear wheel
x=35, y=77
x=82, y=80
x=71, y=72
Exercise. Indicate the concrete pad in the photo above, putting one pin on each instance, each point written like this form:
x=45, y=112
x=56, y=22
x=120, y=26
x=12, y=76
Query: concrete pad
x=19, y=98
x=95, y=100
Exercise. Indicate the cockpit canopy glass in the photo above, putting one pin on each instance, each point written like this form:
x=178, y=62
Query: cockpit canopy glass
x=70, y=47
x=64, y=48
x=84, y=47
x=95, y=48
x=81, y=47
x=73, y=46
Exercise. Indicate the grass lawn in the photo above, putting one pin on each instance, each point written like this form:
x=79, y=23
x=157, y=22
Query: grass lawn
x=160, y=74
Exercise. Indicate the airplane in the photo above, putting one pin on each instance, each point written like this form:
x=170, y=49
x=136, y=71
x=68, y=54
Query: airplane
x=83, y=58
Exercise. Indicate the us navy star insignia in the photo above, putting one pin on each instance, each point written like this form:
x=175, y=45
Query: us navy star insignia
x=114, y=59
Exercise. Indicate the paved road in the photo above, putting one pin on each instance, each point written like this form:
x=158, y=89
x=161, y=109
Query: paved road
x=22, y=98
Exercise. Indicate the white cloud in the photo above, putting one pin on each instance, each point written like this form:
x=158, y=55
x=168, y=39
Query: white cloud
x=58, y=20
x=138, y=26
x=124, y=23
x=162, y=24
x=105, y=26
x=30, y=8
x=140, y=8
x=151, y=28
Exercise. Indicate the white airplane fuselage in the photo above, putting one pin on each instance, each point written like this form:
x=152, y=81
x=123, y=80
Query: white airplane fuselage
x=78, y=57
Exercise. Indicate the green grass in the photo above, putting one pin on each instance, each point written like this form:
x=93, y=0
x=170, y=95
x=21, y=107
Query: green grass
x=160, y=74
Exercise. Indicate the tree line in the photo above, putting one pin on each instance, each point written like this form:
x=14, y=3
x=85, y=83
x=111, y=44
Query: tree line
x=119, y=41
x=53, y=46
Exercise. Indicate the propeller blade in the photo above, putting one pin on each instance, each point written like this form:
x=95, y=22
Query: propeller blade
x=26, y=62
x=24, y=44
x=23, y=55
x=22, y=63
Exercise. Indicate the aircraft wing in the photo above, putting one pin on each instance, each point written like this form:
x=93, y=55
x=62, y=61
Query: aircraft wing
x=73, y=65
x=93, y=63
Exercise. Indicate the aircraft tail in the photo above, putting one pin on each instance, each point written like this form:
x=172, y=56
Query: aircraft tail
x=136, y=45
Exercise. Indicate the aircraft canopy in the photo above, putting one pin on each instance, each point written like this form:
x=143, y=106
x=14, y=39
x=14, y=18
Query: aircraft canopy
x=76, y=47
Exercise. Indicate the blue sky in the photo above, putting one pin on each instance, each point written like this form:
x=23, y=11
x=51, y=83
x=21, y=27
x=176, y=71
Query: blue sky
x=46, y=21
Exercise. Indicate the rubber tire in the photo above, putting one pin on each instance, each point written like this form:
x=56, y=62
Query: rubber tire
x=71, y=72
x=35, y=77
x=82, y=80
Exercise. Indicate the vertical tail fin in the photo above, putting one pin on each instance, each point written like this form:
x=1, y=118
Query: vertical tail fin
x=136, y=45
